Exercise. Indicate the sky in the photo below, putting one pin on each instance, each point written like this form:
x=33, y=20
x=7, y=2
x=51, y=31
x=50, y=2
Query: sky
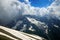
x=39, y=3
x=11, y=9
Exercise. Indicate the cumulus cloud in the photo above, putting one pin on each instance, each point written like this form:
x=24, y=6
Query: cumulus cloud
x=10, y=9
x=27, y=1
x=54, y=9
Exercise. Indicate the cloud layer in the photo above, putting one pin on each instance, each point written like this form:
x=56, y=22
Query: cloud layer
x=10, y=9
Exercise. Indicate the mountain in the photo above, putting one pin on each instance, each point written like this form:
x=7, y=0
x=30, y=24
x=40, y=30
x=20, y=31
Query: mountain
x=25, y=25
x=46, y=26
x=10, y=34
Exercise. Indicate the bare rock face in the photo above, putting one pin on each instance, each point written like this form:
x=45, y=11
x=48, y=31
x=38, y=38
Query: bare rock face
x=10, y=34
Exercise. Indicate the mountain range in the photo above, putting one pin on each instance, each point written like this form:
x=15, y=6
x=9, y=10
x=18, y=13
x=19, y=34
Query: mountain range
x=46, y=26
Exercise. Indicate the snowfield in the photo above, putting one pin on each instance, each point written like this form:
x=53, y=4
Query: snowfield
x=17, y=35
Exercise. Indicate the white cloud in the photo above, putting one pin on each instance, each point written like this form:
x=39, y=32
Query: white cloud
x=10, y=9
x=54, y=9
x=27, y=1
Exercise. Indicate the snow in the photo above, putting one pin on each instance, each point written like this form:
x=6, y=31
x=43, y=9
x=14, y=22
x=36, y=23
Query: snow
x=7, y=36
x=39, y=24
x=21, y=35
x=56, y=26
x=31, y=28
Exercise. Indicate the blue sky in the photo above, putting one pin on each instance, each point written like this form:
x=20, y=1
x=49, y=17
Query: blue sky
x=40, y=3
